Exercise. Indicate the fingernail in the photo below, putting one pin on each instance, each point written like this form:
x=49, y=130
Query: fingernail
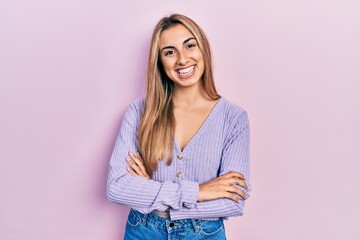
x=131, y=153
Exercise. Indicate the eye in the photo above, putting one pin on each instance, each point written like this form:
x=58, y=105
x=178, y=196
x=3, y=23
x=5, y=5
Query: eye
x=191, y=45
x=170, y=52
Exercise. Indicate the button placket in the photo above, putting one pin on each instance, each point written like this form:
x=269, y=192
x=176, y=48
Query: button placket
x=180, y=166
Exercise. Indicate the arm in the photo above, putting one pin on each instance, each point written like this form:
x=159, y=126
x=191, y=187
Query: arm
x=235, y=157
x=137, y=191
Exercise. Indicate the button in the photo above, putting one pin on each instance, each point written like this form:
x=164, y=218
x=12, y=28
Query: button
x=171, y=224
x=179, y=174
x=180, y=156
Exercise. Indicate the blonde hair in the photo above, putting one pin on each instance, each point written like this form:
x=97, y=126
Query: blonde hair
x=157, y=124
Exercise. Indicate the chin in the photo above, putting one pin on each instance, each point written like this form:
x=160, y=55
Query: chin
x=188, y=83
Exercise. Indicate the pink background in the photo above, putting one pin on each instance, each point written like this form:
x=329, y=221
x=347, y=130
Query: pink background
x=68, y=70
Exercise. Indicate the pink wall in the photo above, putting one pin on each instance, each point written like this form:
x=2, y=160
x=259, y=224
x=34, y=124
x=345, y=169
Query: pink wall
x=68, y=70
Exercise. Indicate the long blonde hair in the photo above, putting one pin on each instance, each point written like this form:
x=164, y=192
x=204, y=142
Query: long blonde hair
x=157, y=124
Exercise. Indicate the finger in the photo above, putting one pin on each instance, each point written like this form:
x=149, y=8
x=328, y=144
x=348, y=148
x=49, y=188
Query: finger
x=142, y=166
x=137, y=169
x=231, y=196
x=138, y=160
x=237, y=181
x=234, y=174
x=131, y=171
x=232, y=181
x=134, y=166
x=236, y=190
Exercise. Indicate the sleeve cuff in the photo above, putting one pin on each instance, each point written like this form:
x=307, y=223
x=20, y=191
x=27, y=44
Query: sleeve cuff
x=189, y=193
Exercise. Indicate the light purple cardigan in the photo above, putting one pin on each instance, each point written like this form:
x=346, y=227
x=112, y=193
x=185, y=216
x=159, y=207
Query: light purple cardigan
x=219, y=146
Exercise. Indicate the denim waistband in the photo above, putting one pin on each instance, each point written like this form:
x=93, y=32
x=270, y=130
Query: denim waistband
x=166, y=223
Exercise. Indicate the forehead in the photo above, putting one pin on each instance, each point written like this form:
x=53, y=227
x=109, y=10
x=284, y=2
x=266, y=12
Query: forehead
x=175, y=35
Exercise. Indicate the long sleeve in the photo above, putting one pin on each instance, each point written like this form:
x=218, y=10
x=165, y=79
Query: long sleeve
x=136, y=191
x=235, y=157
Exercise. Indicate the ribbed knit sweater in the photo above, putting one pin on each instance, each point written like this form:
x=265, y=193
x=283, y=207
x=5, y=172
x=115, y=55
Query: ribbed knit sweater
x=220, y=145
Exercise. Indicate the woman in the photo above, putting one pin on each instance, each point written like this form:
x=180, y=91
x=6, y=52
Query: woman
x=181, y=159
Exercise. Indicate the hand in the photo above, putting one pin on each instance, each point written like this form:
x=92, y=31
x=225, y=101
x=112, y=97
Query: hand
x=223, y=187
x=137, y=165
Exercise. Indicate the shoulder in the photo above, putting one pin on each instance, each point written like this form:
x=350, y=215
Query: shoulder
x=134, y=109
x=137, y=102
x=234, y=113
x=136, y=105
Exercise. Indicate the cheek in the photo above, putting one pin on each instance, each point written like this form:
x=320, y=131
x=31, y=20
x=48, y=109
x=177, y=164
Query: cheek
x=167, y=64
x=167, y=67
x=198, y=56
x=200, y=62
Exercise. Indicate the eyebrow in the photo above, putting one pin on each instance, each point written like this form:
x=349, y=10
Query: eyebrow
x=174, y=47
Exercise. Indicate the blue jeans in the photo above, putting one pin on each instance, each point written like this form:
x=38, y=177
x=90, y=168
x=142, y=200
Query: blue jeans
x=150, y=226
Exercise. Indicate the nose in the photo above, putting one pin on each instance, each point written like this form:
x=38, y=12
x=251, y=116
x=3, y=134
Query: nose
x=182, y=58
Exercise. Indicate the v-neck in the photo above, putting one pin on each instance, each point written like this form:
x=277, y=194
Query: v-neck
x=201, y=129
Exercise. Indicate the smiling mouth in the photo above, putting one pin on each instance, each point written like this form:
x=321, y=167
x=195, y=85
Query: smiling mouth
x=185, y=72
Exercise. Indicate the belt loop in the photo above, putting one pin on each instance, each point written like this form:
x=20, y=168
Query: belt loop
x=195, y=225
x=144, y=218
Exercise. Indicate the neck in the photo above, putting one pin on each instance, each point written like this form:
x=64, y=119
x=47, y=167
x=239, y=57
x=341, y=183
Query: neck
x=189, y=96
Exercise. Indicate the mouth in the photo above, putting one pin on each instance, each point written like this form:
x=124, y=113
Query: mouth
x=186, y=72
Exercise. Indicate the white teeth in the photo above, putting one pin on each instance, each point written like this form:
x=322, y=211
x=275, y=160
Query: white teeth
x=185, y=70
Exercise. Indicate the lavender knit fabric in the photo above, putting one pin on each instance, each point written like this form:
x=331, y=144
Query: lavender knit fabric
x=220, y=145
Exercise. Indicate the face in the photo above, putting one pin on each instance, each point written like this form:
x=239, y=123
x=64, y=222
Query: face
x=181, y=56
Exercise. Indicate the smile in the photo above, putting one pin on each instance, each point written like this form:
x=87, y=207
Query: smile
x=186, y=72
